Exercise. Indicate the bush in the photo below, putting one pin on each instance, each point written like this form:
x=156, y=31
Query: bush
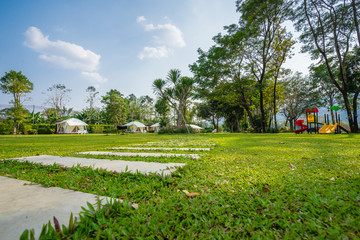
x=170, y=130
x=101, y=128
x=27, y=129
x=44, y=128
x=6, y=127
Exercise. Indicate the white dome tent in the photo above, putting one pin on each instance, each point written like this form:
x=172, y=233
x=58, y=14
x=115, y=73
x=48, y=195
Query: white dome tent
x=71, y=125
x=135, y=127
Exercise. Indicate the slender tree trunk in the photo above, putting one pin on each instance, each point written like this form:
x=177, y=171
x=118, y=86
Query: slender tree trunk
x=270, y=120
x=263, y=120
x=274, y=104
x=355, y=98
x=353, y=126
x=213, y=121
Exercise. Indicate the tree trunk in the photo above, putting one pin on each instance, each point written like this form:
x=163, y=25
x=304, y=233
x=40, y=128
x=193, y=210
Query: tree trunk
x=270, y=120
x=355, y=98
x=353, y=126
x=15, y=128
x=274, y=103
x=263, y=120
x=292, y=124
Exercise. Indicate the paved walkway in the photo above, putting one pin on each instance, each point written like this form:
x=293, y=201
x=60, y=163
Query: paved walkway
x=30, y=206
x=193, y=156
x=164, y=149
x=109, y=165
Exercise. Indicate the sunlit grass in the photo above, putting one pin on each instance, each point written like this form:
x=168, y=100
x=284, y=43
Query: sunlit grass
x=250, y=185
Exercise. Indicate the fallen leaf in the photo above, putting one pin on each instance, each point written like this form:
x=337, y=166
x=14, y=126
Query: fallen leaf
x=195, y=186
x=291, y=165
x=192, y=194
x=122, y=197
x=49, y=175
x=105, y=188
x=88, y=180
x=154, y=192
x=135, y=206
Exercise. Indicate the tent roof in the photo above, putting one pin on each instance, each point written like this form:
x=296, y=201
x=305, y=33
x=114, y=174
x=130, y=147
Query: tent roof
x=155, y=125
x=194, y=126
x=136, y=123
x=73, y=122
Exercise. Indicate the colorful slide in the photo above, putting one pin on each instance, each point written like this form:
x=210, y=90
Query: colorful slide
x=328, y=128
x=303, y=127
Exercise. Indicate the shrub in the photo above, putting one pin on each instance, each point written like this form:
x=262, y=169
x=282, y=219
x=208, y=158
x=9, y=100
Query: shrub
x=46, y=128
x=101, y=128
x=27, y=129
x=6, y=127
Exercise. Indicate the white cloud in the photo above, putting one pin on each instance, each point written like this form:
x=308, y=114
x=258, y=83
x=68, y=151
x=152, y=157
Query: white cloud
x=64, y=54
x=140, y=19
x=154, y=52
x=94, y=78
x=165, y=36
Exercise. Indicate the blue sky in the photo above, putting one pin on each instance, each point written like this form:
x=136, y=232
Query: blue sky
x=109, y=44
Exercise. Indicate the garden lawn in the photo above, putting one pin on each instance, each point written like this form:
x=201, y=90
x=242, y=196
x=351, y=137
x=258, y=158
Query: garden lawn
x=248, y=185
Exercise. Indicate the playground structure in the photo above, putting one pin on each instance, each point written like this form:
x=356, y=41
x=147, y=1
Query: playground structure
x=313, y=122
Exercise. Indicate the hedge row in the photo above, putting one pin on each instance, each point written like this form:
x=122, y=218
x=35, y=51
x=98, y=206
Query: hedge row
x=7, y=127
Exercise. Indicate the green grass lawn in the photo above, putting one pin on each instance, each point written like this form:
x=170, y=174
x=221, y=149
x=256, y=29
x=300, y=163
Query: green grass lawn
x=250, y=186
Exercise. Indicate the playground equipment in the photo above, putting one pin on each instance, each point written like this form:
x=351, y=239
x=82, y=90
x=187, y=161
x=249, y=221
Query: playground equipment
x=312, y=116
x=312, y=122
x=303, y=127
x=338, y=125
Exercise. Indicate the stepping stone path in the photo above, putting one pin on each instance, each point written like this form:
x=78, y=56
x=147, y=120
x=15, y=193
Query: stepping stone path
x=25, y=205
x=165, y=149
x=193, y=156
x=31, y=206
x=109, y=165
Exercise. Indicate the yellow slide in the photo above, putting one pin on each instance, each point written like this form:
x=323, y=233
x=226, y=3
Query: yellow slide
x=328, y=128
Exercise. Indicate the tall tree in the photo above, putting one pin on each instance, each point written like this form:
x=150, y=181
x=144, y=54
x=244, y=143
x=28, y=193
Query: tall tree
x=18, y=85
x=260, y=23
x=329, y=29
x=177, y=90
x=58, y=97
x=115, y=107
x=91, y=90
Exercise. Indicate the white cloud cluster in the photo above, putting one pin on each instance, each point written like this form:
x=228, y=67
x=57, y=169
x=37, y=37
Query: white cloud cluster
x=64, y=54
x=165, y=37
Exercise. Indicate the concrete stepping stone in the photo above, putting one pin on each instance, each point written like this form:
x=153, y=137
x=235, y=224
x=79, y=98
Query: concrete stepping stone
x=109, y=165
x=165, y=149
x=193, y=156
x=31, y=206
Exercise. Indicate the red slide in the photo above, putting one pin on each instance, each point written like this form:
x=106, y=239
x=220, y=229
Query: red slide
x=303, y=127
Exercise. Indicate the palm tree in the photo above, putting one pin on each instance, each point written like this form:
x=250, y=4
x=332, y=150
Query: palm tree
x=176, y=90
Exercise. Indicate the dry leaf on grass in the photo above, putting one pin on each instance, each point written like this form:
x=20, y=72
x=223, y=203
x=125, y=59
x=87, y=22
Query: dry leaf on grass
x=190, y=194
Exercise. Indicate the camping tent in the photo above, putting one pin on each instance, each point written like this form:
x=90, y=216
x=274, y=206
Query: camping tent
x=135, y=127
x=71, y=125
x=155, y=127
x=194, y=127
